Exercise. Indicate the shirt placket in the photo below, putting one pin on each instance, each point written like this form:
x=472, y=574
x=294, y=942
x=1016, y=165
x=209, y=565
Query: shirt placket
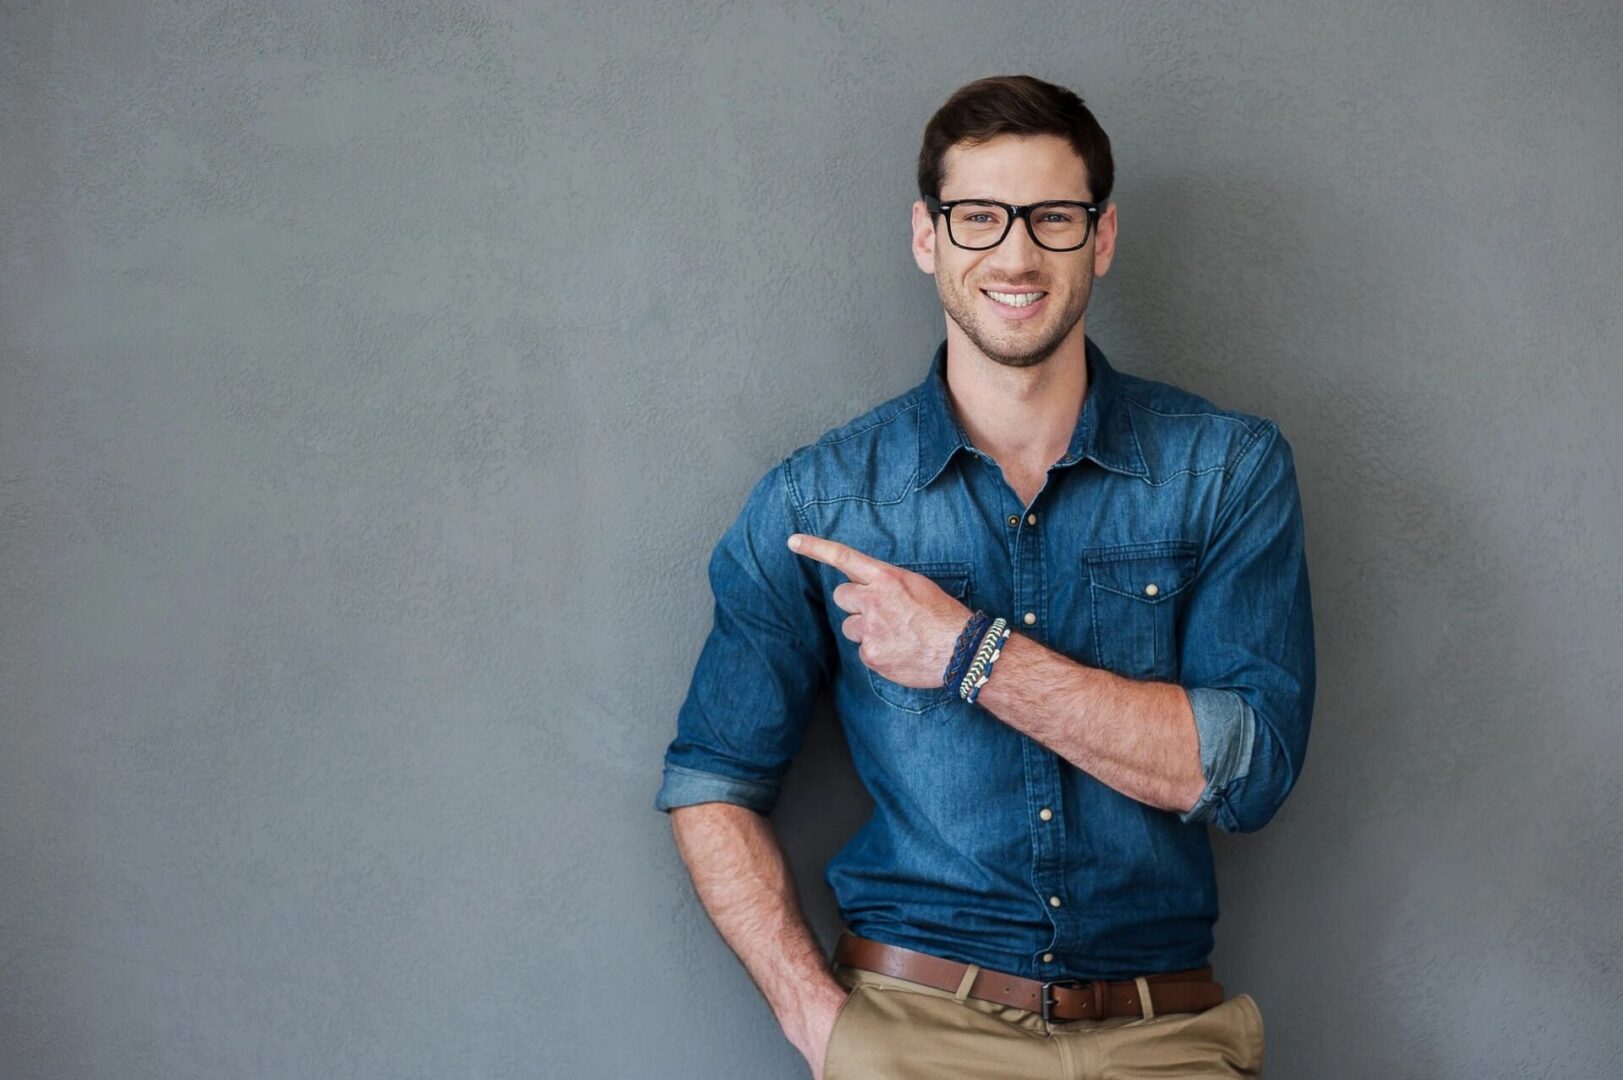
x=1044, y=804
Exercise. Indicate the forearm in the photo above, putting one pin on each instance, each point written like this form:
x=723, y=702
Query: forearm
x=1137, y=737
x=743, y=880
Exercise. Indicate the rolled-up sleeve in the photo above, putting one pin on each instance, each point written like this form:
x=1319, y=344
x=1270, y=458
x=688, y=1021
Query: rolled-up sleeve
x=769, y=651
x=1245, y=637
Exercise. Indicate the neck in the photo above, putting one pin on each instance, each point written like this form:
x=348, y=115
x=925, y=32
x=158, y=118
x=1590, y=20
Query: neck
x=1020, y=415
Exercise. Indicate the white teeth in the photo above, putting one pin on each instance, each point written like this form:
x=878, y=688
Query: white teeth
x=1015, y=299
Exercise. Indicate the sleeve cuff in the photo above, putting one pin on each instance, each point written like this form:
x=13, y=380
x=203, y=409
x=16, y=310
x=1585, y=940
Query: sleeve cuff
x=1227, y=727
x=685, y=787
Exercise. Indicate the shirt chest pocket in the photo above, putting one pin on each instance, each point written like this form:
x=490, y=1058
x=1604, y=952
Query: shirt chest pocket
x=1136, y=592
x=955, y=579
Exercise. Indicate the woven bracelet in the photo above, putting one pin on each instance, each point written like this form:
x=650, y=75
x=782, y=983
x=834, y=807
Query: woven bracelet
x=964, y=650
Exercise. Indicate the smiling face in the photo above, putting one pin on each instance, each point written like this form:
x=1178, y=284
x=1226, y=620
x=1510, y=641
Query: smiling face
x=1015, y=169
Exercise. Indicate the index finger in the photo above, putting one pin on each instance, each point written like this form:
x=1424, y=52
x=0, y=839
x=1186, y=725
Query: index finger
x=847, y=560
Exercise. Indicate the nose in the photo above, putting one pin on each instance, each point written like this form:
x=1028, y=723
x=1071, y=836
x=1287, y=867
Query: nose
x=1018, y=251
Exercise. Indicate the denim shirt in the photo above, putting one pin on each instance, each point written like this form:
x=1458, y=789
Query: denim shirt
x=1166, y=544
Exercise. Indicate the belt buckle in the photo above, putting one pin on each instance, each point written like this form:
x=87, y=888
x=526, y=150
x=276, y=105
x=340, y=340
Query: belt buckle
x=1048, y=1001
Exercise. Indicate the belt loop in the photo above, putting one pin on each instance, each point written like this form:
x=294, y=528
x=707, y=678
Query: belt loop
x=966, y=982
x=1144, y=997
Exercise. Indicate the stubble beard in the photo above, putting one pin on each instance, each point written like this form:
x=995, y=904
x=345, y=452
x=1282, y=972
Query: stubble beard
x=1009, y=345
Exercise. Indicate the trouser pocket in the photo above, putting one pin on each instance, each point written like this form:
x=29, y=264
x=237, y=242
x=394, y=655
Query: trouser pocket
x=833, y=1052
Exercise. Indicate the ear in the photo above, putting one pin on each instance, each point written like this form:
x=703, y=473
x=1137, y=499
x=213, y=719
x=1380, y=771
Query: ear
x=923, y=238
x=1104, y=240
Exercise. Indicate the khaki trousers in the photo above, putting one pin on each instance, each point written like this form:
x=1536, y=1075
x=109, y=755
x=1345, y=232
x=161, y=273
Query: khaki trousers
x=894, y=1029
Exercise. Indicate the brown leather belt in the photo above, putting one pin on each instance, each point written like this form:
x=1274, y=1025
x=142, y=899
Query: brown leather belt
x=1061, y=999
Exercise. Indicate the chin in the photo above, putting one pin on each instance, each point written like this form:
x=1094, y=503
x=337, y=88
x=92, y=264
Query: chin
x=1014, y=348
x=1020, y=360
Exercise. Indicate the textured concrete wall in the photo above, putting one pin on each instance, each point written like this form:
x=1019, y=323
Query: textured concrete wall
x=374, y=380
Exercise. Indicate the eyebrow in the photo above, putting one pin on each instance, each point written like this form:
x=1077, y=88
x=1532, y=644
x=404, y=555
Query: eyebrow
x=1011, y=202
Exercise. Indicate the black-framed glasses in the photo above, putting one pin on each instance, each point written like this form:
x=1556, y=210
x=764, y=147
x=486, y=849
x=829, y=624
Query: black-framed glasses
x=978, y=224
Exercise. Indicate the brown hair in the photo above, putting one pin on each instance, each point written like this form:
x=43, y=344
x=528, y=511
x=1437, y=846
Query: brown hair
x=1015, y=105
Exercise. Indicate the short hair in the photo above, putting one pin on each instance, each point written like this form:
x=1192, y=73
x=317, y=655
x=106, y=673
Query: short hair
x=1015, y=105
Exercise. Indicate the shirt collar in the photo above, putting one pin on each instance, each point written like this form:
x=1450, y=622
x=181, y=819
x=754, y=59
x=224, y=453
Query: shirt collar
x=1104, y=432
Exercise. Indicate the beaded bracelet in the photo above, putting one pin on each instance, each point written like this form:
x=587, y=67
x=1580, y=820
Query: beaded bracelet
x=964, y=650
x=980, y=669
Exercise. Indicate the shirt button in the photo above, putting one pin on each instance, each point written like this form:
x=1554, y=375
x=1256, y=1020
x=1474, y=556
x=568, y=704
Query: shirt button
x=1048, y=958
x=1053, y=901
x=1151, y=589
x=1014, y=519
x=1030, y=617
x=1045, y=813
x=1031, y=519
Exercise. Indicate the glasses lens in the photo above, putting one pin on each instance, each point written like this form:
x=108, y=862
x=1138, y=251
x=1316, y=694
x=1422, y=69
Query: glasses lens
x=978, y=224
x=1060, y=226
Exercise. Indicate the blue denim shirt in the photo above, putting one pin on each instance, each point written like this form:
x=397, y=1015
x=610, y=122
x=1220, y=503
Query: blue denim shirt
x=1166, y=544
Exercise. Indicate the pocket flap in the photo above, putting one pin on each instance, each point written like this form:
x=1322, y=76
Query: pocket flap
x=953, y=577
x=1150, y=571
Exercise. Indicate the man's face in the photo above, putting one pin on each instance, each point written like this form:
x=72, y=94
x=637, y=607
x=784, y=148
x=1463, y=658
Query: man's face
x=1014, y=169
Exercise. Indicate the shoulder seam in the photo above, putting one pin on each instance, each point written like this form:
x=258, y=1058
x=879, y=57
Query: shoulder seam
x=829, y=439
x=1263, y=429
x=796, y=503
x=1231, y=415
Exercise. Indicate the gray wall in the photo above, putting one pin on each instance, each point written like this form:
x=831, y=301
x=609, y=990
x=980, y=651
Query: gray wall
x=375, y=380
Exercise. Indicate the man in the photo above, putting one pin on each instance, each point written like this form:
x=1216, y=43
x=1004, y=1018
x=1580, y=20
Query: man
x=1034, y=893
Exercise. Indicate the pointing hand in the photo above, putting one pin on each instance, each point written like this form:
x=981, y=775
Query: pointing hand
x=905, y=624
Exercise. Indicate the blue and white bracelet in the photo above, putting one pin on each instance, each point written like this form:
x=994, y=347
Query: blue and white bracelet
x=980, y=668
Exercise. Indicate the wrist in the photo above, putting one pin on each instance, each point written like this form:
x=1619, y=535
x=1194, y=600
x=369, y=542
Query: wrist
x=806, y=1019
